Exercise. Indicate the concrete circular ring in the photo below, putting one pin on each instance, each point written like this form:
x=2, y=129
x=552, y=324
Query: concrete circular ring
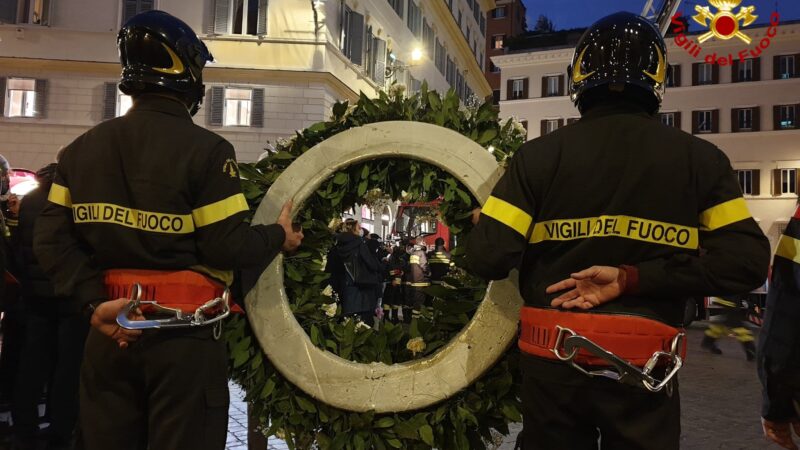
x=377, y=386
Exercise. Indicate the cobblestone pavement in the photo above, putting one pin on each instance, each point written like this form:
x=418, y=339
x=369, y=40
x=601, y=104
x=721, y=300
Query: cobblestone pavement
x=720, y=402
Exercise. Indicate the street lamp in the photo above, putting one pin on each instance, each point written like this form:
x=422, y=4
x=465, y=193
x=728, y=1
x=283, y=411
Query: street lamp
x=393, y=66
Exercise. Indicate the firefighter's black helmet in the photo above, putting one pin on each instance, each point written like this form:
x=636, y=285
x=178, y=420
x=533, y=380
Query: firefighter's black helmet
x=622, y=52
x=161, y=53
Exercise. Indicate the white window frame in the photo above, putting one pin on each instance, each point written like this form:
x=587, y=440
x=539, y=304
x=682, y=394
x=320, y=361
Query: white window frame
x=705, y=74
x=744, y=117
x=550, y=126
x=495, y=41
x=671, y=74
x=553, y=85
x=788, y=181
x=517, y=88
x=367, y=213
x=124, y=103
x=499, y=12
x=786, y=66
x=245, y=17
x=704, y=122
x=745, y=178
x=668, y=119
x=20, y=101
x=785, y=113
x=243, y=107
x=746, y=70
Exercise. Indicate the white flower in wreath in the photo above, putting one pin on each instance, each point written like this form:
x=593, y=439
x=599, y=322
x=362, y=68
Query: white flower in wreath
x=280, y=433
x=518, y=127
x=416, y=345
x=360, y=325
x=328, y=291
x=330, y=309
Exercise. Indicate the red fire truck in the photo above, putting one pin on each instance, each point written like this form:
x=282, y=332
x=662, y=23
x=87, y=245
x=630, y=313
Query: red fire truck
x=420, y=220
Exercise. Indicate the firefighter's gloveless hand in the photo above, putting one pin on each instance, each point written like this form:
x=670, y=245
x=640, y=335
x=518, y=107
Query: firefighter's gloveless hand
x=781, y=432
x=104, y=319
x=293, y=238
x=588, y=288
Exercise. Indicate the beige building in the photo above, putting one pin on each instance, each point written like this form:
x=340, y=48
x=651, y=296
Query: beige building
x=280, y=64
x=748, y=109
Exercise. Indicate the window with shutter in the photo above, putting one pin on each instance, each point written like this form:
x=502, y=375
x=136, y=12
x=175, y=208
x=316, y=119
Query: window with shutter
x=20, y=97
x=248, y=16
x=41, y=99
x=257, y=111
x=785, y=117
x=109, y=101
x=356, y=42
x=704, y=121
x=379, y=60
x=745, y=181
x=217, y=101
x=785, y=66
x=220, y=17
x=788, y=183
x=131, y=8
x=674, y=75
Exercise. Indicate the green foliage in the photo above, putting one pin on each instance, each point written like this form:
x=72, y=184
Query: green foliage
x=464, y=421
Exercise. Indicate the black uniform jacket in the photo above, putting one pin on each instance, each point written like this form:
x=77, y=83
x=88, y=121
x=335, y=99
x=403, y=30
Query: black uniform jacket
x=149, y=190
x=779, y=340
x=615, y=188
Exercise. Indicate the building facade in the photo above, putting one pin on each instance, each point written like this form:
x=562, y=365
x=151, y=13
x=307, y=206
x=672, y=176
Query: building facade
x=507, y=20
x=279, y=64
x=747, y=108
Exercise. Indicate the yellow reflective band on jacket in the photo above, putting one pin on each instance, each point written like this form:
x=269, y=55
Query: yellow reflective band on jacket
x=616, y=226
x=220, y=210
x=425, y=284
x=439, y=258
x=788, y=248
x=724, y=214
x=414, y=259
x=60, y=195
x=132, y=218
x=508, y=214
x=723, y=302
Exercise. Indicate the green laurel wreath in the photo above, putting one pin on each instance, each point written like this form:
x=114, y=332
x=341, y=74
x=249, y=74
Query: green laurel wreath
x=464, y=421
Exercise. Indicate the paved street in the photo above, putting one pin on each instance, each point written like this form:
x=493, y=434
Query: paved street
x=720, y=399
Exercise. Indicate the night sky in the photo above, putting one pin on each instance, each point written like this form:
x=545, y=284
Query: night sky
x=567, y=14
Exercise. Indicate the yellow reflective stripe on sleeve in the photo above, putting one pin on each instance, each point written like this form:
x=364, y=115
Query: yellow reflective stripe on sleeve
x=60, y=195
x=508, y=214
x=788, y=248
x=132, y=218
x=413, y=259
x=221, y=210
x=724, y=214
x=616, y=226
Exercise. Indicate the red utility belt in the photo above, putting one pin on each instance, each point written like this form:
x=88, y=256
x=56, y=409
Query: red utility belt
x=183, y=289
x=631, y=338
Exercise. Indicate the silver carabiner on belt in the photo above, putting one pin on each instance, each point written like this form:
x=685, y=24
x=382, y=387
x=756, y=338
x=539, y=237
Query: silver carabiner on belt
x=176, y=318
x=621, y=371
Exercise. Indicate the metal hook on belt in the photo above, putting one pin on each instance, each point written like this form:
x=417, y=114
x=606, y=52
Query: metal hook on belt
x=177, y=318
x=622, y=371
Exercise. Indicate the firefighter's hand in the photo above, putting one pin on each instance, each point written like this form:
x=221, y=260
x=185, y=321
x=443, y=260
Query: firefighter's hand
x=476, y=214
x=104, y=319
x=781, y=432
x=13, y=204
x=588, y=288
x=293, y=235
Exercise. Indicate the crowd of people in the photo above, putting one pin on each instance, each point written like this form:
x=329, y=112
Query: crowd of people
x=370, y=278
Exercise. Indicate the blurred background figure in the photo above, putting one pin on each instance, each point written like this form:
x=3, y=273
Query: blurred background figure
x=733, y=322
x=354, y=273
x=52, y=349
x=439, y=261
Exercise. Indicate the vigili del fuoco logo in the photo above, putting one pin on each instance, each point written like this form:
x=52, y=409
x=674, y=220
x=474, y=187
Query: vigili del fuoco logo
x=724, y=23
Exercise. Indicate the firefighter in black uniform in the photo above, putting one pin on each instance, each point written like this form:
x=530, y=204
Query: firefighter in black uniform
x=779, y=342
x=439, y=262
x=633, y=200
x=152, y=191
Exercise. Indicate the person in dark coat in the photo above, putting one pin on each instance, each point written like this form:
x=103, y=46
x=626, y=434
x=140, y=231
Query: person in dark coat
x=357, y=300
x=55, y=331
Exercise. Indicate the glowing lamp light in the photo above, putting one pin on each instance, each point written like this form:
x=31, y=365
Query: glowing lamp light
x=416, y=54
